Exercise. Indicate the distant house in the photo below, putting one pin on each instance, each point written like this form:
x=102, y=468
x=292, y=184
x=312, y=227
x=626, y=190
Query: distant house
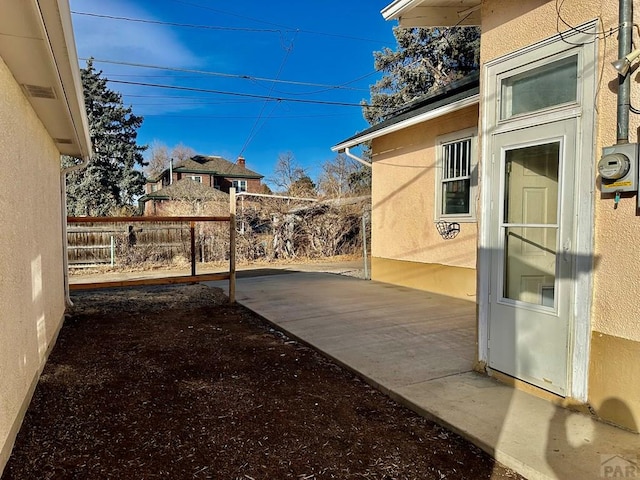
x=214, y=177
x=184, y=190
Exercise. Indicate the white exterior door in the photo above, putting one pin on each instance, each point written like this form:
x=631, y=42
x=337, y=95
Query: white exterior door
x=536, y=241
x=532, y=218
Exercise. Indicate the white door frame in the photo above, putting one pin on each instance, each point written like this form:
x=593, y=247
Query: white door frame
x=584, y=188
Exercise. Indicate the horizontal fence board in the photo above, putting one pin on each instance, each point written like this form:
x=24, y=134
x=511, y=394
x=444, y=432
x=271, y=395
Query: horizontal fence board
x=93, y=241
x=146, y=219
x=205, y=277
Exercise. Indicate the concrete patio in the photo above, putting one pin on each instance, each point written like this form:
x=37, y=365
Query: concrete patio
x=419, y=349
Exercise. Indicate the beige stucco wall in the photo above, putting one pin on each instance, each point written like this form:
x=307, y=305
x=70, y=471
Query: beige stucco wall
x=457, y=282
x=615, y=347
x=403, y=209
x=31, y=272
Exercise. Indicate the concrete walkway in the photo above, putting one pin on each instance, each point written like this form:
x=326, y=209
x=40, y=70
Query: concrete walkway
x=419, y=348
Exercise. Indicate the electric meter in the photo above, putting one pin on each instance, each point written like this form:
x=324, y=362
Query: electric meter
x=618, y=168
x=614, y=166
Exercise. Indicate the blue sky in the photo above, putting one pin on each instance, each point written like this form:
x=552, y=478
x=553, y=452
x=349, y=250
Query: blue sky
x=318, y=50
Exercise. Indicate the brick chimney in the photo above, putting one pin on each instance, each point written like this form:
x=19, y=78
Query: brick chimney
x=240, y=161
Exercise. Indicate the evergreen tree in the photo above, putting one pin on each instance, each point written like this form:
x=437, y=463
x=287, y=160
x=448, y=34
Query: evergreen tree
x=426, y=59
x=110, y=180
x=303, y=187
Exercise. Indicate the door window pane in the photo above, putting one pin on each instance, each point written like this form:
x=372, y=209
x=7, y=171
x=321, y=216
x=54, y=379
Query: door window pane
x=539, y=88
x=531, y=202
x=531, y=184
x=530, y=265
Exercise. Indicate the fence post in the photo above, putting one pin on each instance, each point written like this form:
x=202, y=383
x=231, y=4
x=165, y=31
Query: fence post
x=232, y=245
x=113, y=251
x=364, y=245
x=192, y=230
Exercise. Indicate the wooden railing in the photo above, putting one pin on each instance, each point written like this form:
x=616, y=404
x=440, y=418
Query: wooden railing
x=194, y=277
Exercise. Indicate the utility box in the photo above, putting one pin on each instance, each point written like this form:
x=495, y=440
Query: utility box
x=618, y=168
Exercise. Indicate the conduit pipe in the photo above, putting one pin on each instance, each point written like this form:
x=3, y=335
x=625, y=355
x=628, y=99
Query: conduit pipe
x=624, y=81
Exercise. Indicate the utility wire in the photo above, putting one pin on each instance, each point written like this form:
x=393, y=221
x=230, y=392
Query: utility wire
x=237, y=117
x=244, y=17
x=174, y=24
x=239, y=94
x=281, y=30
x=255, y=128
x=230, y=75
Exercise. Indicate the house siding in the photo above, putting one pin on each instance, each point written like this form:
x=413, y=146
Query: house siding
x=31, y=260
x=615, y=311
x=406, y=246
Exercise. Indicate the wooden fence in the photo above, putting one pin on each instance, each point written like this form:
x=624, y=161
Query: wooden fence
x=93, y=244
x=97, y=240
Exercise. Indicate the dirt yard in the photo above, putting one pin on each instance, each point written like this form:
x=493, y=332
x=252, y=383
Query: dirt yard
x=172, y=382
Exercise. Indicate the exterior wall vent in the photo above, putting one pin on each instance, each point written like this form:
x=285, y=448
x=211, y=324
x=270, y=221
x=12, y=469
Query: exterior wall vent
x=37, y=91
x=63, y=141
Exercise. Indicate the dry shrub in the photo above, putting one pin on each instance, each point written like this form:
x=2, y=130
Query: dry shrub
x=267, y=229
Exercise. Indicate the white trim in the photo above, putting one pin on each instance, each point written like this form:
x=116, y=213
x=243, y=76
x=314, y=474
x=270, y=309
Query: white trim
x=438, y=112
x=584, y=189
x=397, y=8
x=470, y=134
x=240, y=185
x=425, y=13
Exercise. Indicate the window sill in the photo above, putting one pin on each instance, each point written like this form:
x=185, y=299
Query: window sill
x=456, y=220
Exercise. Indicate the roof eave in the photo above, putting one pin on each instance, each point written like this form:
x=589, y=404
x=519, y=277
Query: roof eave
x=39, y=50
x=433, y=13
x=372, y=133
x=394, y=10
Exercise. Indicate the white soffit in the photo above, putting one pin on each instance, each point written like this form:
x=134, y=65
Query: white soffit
x=433, y=13
x=37, y=44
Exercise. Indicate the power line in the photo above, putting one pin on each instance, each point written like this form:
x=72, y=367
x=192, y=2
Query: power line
x=229, y=75
x=237, y=117
x=199, y=99
x=280, y=31
x=256, y=127
x=239, y=94
x=313, y=32
x=174, y=24
x=341, y=86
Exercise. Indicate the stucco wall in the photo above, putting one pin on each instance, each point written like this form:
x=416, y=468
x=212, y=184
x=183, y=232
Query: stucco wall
x=31, y=272
x=615, y=320
x=406, y=247
x=403, y=196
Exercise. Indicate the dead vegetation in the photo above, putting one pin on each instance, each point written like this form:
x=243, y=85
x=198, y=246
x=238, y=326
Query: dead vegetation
x=267, y=229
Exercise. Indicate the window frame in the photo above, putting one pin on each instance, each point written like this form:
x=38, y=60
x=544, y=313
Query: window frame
x=196, y=178
x=239, y=182
x=505, y=96
x=471, y=135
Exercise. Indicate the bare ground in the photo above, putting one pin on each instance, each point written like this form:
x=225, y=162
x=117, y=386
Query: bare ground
x=172, y=382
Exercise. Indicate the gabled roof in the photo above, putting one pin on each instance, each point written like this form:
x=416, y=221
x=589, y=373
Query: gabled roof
x=187, y=188
x=455, y=96
x=214, y=166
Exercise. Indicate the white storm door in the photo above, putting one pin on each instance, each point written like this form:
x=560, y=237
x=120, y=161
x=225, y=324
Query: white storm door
x=531, y=268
